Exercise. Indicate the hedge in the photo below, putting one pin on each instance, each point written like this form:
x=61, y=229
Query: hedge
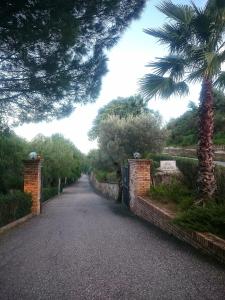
x=14, y=206
x=105, y=176
x=189, y=168
x=48, y=193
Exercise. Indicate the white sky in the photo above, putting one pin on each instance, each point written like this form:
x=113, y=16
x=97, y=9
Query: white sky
x=126, y=65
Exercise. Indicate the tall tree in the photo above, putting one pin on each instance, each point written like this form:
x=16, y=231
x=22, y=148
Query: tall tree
x=13, y=150
x=183, y=130
x=122, y=107
x=195, y=38
x=61, y=158
x=52, y=53
x=119, y=138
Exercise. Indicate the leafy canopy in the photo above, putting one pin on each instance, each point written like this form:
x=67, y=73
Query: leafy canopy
x=52, y=53
x=183, y=130
x=119, y=138
x=122, y=108
x=61, y=158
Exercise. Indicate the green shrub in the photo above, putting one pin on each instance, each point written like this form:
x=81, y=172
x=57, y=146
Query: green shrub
x=101, y=176
x=188, y=140
x=14, y=206
x=189, y=168
x=219, y=138
x=104, y=176
x=112, y=177
x=154, y=166
x=220, y=178
x=210, y=218
x=175, y=192
x=48, y=193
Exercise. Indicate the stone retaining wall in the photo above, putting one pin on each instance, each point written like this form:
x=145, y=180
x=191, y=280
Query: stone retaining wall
x=162, y=218
x=109, y=190
x=219, y=153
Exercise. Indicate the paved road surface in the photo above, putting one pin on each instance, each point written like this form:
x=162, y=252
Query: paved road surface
x=86, y=247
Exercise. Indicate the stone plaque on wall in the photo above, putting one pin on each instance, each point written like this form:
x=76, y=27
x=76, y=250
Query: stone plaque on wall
x=168, y=165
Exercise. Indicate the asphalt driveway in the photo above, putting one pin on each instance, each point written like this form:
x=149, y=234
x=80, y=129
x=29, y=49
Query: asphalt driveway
x=86, y=247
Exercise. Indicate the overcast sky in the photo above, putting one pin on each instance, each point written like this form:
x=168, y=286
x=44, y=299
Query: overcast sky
x=126, y=65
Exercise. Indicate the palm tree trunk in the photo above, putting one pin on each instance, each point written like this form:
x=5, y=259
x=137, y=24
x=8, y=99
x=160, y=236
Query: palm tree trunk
x=206, y=177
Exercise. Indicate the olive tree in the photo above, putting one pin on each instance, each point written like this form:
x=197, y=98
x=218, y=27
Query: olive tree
x=119, y=138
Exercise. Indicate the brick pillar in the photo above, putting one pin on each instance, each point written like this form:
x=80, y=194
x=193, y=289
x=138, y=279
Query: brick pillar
x=139, y=178
x=32, y=183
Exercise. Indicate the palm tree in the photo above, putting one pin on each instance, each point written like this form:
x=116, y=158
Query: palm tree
x=195, y=38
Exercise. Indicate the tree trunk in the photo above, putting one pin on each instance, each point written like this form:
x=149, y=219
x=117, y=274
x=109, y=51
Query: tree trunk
x=206, y=178
x=119, y=175
x=59, y=185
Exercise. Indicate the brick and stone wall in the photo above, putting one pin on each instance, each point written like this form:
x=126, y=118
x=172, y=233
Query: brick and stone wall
x=109, y=190
x=162, y=218
x=32, y=183
x=140, y=205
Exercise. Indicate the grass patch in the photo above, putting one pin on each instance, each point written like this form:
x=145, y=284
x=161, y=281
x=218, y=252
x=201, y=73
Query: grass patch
x=210, y=218
x=176, y=192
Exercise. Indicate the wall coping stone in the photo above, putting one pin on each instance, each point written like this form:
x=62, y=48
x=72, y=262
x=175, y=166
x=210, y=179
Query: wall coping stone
x=15, y=223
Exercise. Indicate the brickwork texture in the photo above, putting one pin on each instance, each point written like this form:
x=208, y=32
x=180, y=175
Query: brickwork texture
x=32, y=183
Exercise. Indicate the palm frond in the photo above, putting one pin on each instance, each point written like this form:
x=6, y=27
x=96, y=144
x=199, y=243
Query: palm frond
x=174, y=65
x=220, y=81
x=179, y=13
x=213, y=6
x=161, y=34
x=176, y=36
x=202, y=26
x=203, y=63
x=196, y=75
x=164, y=87
x=214, y=63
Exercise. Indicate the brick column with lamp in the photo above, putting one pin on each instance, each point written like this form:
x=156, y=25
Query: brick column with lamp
x=32, y=181
x=139, y=178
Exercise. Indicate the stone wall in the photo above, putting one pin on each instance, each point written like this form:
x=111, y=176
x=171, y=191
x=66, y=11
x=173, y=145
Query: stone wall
x=191, y=152
x=109, y=190
x=162, y=218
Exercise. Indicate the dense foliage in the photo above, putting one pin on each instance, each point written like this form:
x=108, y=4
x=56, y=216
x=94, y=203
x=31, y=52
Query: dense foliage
x=183, y=130
x=206, y=219
x=178, y=198
x=189, y=168
x=123, y=127
x=13, y=150
x=120, y=138
x=52, y=53
x=176, y=193
x=14, y=206
x=49, y=192
x=122, y=108
x=62, y=160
